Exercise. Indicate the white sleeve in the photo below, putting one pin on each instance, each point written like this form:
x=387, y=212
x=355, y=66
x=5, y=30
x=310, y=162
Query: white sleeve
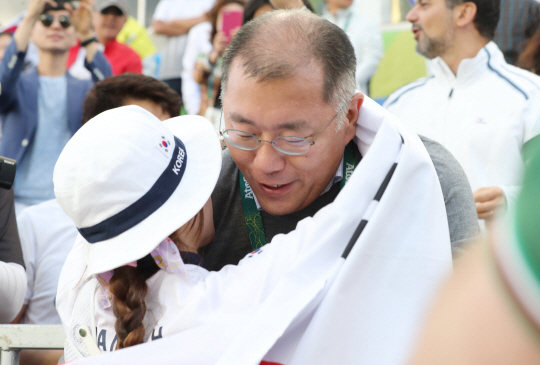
x=369, y=50
x=12, y=290
x=161, y=12
x=29, y=249
x=69, y=283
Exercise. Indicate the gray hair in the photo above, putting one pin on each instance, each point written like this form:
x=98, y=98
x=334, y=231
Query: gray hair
x=275, y=45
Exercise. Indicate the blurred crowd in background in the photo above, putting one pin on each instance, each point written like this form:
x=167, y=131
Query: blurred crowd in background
x=469, y=97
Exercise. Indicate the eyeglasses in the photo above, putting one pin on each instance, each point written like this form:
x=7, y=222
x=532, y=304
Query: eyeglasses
x=48, y=19
x=112, y=10
x=289, y=145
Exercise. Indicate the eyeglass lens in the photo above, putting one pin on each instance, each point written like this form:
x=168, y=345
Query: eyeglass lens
x=48, y=19
x=247, y=141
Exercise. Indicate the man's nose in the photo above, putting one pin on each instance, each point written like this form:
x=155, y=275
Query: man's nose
x=267, y=159
x=412, y=15
x=56, y=23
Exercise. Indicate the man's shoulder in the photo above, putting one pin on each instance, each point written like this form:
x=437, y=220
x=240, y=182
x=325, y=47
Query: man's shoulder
x=408, y=90
x=513, y=79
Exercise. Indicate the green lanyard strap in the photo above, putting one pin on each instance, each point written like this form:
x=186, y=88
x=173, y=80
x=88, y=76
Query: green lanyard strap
x=252, y=215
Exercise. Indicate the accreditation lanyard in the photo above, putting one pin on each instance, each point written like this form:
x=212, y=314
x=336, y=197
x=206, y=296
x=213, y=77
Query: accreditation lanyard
x=252, y=215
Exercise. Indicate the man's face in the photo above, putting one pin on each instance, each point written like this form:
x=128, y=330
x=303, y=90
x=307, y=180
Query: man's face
x=108, y=23
x=294, y=106
x=339, y=4
x=433, y=27
x=54, y=38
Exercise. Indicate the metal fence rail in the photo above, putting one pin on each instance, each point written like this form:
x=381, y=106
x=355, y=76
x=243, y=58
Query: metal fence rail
x=16, y=337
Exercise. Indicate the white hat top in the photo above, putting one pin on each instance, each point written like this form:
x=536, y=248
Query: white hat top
x=128, y=180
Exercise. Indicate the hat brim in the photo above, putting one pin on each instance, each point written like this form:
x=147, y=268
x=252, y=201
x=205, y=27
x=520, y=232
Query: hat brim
x=203, y=166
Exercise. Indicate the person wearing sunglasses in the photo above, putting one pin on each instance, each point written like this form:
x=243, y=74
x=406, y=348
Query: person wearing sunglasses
x=40, y=107
x=108, y=18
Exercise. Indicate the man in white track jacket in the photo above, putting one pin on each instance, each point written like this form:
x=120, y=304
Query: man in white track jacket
x=476, y=105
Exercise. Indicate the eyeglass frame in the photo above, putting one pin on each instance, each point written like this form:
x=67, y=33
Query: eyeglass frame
x=310, y=143
x=62, y=19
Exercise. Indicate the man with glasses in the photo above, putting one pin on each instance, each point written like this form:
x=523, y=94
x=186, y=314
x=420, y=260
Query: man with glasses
x=41, y=107
x=108, y=18
x=290, y=111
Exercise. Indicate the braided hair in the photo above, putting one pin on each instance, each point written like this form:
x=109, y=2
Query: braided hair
x=129, y=288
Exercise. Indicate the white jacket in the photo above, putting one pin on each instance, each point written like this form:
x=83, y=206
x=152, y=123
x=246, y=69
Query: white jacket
x=483, y=116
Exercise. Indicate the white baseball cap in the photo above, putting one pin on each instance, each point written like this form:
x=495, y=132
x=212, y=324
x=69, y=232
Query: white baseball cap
x=128, y=180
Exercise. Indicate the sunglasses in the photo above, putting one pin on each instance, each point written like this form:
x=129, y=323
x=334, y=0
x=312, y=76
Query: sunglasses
x=48, y=19
x=112, y=10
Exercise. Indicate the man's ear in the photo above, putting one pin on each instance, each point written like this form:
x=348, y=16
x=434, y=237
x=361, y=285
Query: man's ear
x=352, y=114
x=465, y=13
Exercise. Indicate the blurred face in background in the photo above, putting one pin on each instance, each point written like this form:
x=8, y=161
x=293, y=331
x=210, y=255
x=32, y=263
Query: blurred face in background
x=108, y=23
x=432, y=26
x=54, y=38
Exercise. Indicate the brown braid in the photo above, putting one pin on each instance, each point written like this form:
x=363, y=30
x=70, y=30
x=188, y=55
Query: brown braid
x=129, y=288
x=128, y=285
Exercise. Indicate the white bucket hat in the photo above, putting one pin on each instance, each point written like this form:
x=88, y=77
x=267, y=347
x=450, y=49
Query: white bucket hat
x=128, y=181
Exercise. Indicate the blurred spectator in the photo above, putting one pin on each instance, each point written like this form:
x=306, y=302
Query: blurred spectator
x=12, y=275
x=198, y=42
x=47, y=235
x=530, y=58
x=109, y=17
x=365, y=36
x=132, y=89
x=518, y=22
x=135, y=36
x=207, y=70
x=41, y=107
x=174, y=19
x=5, y=40
x=475, y=104
x=256, y=8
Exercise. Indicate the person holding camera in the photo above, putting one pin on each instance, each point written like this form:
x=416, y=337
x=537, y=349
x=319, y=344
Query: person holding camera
x=41, y=107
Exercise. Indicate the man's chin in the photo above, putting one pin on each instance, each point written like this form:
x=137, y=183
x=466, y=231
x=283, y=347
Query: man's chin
x=275, y=208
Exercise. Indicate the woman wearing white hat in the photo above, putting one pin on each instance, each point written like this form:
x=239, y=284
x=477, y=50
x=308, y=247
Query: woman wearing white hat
x=138, y=191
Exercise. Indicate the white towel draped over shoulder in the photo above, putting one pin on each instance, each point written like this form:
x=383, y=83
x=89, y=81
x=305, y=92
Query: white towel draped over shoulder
x=300, y=301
